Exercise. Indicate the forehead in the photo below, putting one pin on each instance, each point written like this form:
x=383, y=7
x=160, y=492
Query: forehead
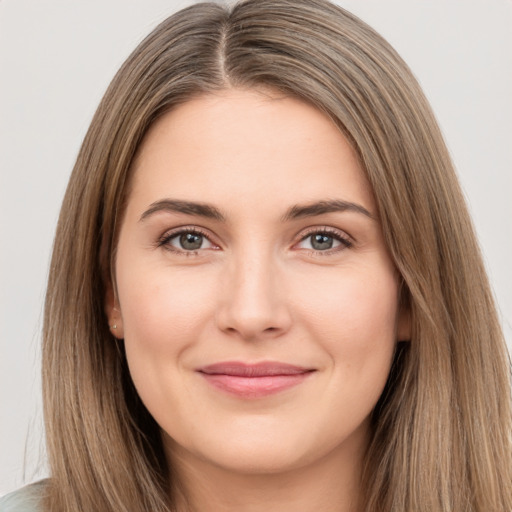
x=268, y=148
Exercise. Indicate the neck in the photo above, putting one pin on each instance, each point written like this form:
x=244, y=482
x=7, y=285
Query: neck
x=330, y=484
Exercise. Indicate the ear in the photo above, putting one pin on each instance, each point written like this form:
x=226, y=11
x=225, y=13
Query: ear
x=113, y=312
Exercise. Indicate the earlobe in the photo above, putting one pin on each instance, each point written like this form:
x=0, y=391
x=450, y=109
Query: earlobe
x=113, y=313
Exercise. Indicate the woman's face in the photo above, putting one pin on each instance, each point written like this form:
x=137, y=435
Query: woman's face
x=255, y=295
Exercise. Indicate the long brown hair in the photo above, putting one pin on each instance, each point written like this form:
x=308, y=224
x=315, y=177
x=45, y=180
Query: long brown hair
x=442, y=428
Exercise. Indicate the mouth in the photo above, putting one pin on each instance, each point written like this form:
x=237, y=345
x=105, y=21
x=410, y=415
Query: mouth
x=254, y=380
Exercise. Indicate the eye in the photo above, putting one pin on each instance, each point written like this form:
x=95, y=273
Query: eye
x=324, y=241
x=189, y=240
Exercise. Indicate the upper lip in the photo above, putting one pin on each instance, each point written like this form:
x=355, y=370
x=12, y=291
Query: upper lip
x=262, y=369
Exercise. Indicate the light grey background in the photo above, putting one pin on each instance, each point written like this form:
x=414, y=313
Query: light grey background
x=56, y=59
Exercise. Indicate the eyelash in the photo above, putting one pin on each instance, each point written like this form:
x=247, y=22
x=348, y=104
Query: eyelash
x=337, y=235
x=168, y=236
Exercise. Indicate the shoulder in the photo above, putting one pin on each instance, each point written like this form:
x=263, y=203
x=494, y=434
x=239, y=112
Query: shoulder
x=26, y=499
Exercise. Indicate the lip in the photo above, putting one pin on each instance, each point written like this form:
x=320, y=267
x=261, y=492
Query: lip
x=257, y=380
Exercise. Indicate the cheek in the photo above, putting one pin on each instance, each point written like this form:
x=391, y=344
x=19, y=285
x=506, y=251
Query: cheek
x=164, y=313
x=163, y=309
x=361, y=341
x=355, y=322
x=354, y=306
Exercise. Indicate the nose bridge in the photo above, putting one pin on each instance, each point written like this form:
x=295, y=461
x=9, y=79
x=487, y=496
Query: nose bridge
x=253, y=304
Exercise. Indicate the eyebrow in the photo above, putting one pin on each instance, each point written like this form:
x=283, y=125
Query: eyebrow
x=186, y=207
x=320, y=207
x=295, y=212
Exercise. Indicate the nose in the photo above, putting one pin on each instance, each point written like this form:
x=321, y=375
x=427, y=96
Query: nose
x=253, y=303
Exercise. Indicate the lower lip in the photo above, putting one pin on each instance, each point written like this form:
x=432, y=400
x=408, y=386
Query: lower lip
x=255, y=387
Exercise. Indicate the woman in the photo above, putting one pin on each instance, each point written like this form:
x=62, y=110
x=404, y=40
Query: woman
x=265, y=289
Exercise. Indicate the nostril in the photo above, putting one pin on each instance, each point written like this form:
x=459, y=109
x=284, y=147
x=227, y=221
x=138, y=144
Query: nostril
x=251, y=308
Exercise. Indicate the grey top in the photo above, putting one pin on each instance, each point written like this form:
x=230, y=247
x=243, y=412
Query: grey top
x=26, y=499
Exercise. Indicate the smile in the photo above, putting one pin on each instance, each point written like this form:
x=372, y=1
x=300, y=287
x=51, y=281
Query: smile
x=254, y=380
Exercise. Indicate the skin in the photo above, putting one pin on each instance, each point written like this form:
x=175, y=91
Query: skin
x=257, y=289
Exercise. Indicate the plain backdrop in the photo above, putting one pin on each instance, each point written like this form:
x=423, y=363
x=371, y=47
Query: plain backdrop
x=58, y=56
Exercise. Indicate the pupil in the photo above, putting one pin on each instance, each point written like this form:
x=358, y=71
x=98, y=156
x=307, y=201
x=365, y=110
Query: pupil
x=191, y=241
x=321, y=242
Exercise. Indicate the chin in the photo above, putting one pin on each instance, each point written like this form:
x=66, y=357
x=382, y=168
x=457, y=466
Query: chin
x=267, y=449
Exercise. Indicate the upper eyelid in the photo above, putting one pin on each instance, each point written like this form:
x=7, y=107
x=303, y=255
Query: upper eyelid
x=174, y=232
x=186, y=229
x=325, y=229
